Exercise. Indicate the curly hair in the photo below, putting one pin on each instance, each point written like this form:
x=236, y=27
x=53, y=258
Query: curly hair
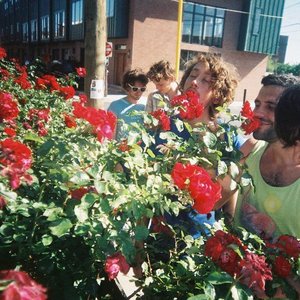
x=224, y=79
x=287, y=116
x=161, y=70
x=132, y=76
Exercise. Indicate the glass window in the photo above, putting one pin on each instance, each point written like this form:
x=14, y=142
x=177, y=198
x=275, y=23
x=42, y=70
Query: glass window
x=45, y=27
x=187, y=27
x=59, y=24
x=77, y=12
x=110, y=8
x=197, y=29
x=25, y=32
x=203, y=24
x=33, y=28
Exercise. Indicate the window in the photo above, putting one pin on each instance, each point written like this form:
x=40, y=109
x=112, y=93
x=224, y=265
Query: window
x=77, y=12
x=17, y=27
x=203, y=24
x=11, y=29
x=185, y=56
x=45, y=27
x=59, y=24
x=25, y=32
x=33, y=27
x=5, y=5
x=110, y=8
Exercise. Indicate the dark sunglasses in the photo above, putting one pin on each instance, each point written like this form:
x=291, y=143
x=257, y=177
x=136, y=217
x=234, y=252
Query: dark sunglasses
x=135, y=88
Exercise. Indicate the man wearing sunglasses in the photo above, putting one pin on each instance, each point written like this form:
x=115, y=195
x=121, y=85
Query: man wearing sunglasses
x=134, y=84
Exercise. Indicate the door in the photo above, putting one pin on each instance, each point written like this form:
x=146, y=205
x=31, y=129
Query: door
x=120, y=66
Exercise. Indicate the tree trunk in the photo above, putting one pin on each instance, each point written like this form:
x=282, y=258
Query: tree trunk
x=95, y=44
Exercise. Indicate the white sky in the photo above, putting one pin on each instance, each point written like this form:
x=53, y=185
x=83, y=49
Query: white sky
x=291, y=26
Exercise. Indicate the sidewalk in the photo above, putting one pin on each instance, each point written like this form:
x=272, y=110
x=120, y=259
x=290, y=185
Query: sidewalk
x=116, y=92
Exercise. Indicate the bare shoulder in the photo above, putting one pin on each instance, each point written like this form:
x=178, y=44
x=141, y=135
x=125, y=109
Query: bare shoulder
x=248, y=146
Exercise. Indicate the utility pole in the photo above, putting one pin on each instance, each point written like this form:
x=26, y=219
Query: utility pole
x=94, y=57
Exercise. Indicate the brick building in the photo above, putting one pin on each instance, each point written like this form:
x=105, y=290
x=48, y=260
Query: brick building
x=243, y=32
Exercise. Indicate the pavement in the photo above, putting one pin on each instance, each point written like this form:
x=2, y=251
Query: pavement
x=116, y=92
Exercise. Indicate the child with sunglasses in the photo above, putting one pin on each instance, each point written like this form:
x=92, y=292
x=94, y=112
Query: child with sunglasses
x=134, y=84
x=163, y=76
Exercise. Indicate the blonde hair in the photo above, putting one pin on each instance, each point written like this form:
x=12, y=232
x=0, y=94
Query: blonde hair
x=161, y=70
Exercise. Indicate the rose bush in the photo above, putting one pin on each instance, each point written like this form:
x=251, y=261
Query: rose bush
x=77, y=208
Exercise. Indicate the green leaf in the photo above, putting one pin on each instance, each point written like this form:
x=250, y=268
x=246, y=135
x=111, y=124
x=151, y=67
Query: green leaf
x=81, y=213
x=210, y=140
x=80, y=178
x=222, y=168
x=179, y=124
x=61, y=227
x=219, y=278
x=101, y=187
x=47, y=240
x=141, y=233
x=30, y=136
x=198, y=297
x=44, y=149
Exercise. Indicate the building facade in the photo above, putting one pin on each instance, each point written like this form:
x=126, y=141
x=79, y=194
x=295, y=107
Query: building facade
x=243, y=32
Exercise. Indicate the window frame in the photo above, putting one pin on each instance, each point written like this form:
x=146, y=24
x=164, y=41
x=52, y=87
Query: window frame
x=25, y=36
x=77, y=12
x=45, y=27
x=34, y=30
x=59, y=24
x=205, y=25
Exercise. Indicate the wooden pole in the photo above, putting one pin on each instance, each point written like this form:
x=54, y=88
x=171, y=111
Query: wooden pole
x=95, y=44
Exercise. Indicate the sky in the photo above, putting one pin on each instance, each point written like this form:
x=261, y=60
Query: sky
x=290, y=26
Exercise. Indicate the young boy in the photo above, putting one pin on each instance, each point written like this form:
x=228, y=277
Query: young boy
x=163, y=76
x=134, y=83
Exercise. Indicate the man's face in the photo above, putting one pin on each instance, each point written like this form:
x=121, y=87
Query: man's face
x=265, y=104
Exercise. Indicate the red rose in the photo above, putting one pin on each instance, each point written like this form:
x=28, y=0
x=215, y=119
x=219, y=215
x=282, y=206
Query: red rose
x=213, y=248
x=10, y=131
x=81, y=72
x=70, y=121
x=282, y=266
x=189, y=106
x=254, y=272
x=15, y=158
x=162, y=117
x=289, y=245
x=114, y=264
x=247, y=111
x=2, y=202
x=250, y=125
x=181, y=174
x=159, y=225
x=22, y=287
x=229, y=261
x=204, y=191
x=123, y=146
x=83, y=98
x=79, y=193
x=3, y=53
x=67, y=91
x=8, y=107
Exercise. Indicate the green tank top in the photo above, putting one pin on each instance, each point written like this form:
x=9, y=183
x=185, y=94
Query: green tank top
x=267, y=210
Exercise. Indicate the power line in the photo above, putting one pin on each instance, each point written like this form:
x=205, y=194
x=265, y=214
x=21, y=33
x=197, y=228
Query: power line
x=244, y=12
x=290, y=25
